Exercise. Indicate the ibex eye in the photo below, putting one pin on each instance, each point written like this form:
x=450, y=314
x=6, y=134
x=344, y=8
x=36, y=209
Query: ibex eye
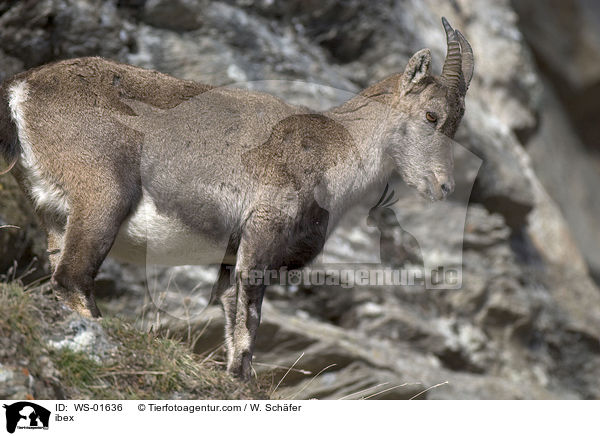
x=431, y=117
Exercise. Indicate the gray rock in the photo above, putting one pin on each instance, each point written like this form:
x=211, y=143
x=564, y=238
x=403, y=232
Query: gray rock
x=560, y=147
x=15, y=383
x=10, y=66
x=83, y=335
x=180, y=15
x=42, y=31
x=573, y=52
x=570, y=176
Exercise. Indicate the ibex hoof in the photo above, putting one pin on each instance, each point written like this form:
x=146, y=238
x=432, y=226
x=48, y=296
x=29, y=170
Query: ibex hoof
x=240, y=368
x=85, y=306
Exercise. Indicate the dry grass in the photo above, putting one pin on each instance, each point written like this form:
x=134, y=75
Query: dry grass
x=145, y=366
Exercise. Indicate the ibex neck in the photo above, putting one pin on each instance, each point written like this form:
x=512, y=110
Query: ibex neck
x=367, y=163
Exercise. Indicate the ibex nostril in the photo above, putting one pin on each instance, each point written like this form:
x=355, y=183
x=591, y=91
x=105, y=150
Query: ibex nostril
x=446, y=188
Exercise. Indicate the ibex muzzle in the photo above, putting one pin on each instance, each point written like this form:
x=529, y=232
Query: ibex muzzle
x=136, y=164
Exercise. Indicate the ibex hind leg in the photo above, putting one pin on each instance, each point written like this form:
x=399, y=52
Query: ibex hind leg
x=55, y=243
x=90, y=232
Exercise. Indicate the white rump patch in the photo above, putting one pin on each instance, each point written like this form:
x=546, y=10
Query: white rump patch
x=46, y=194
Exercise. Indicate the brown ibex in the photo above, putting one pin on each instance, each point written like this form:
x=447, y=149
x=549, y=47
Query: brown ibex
x=129, y=162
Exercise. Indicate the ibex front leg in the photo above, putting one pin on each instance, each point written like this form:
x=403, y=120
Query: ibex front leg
x=246, y=297
x=249, y=302
x=224, y=291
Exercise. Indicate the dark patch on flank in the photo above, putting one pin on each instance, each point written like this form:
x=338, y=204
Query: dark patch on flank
x=300, y=149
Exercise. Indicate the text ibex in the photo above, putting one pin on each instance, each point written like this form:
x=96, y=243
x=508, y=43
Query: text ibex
x=133, y=163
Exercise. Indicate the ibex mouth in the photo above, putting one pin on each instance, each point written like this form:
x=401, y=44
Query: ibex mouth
x=431, y=189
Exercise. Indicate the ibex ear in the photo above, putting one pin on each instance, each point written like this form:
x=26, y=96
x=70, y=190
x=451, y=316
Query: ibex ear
x=417, y=69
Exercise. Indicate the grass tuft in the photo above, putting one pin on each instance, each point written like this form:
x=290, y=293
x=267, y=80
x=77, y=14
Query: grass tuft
x=141, y=366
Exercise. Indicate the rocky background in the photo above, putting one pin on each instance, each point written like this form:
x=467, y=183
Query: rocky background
x=526, y=323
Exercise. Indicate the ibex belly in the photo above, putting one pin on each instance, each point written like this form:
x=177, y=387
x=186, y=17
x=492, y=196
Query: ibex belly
x=149, y=236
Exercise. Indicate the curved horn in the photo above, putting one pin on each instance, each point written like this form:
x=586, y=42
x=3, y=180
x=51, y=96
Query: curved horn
x=451, y=71
x=468, y=63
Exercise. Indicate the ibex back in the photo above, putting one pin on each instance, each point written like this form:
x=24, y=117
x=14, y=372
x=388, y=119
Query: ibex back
x=146, y=167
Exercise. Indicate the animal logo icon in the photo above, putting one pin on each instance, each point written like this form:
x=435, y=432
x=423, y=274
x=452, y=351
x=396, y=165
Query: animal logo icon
x=26, y=415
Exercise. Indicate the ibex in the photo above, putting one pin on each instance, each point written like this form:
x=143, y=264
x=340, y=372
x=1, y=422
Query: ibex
x=129, y=162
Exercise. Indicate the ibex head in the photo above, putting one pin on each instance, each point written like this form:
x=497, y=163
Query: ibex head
x=427, y=110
